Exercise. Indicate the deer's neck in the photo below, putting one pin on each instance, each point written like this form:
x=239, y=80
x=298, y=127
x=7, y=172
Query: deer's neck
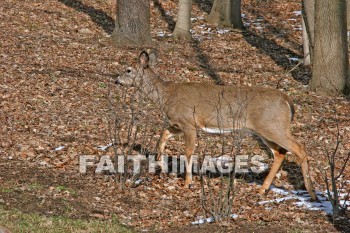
x=154, y=87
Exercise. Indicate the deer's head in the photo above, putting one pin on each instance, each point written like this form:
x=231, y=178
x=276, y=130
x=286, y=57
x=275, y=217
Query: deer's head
x=134, y=75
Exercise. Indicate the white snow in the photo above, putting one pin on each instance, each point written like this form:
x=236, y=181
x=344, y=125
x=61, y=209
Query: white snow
x=59, y=148
x=104, y=148
x=222, y=31
x=210, y=219
x=293, y=59
x=296, y=13
x=259, y=28
x=298, y=29
x=303, y=199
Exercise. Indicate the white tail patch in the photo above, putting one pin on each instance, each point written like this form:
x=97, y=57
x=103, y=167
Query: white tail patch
x=217, y=130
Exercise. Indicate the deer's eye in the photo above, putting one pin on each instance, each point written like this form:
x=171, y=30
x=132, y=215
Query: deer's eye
x=128, y=70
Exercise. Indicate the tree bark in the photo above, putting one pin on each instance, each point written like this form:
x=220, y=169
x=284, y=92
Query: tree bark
x=348, y=14
x=183, y=24
x=132, y=24
x=308, y=24
x=330, y=61
x=226, y=13
x=306, y=45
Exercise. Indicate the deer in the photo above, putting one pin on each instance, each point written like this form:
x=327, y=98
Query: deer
x=191, y=106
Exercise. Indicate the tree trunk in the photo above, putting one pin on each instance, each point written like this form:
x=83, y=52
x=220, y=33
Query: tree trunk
x=330, y=61
x=183, y=24
x=132, y=24
x=308, y=24
x=226, y=13
x=348, y=14
x=306, y=45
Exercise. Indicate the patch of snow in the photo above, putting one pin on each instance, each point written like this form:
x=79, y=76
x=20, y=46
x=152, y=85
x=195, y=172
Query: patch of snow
x=293, y=59
x=104, y=148
x=303, y=199
x=279, y=190
x=223, y=31
x=210, y=219
x=259, y=28
x=138, y=181
x=163, y=34
x=296, y=13
x=246, y=24
x=59, y=148
x=277, y=200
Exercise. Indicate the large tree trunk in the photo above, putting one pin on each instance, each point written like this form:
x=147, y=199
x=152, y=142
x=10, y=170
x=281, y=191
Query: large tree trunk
x=183, y=23
x=132, y=24
x=330, y=61
x=226, y=13
x=348, y=14
x=308, y=24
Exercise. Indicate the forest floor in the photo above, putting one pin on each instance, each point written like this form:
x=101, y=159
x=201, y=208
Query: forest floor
x=58, y=63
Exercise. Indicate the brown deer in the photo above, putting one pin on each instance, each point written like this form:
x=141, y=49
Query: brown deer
x=218, y=109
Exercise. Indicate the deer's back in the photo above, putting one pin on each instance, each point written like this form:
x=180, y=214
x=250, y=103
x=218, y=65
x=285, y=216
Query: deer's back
x=208, y=105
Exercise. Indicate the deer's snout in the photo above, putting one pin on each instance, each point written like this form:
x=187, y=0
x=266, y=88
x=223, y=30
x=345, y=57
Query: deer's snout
x=118, y=82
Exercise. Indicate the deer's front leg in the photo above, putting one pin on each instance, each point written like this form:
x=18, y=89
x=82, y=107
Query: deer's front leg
x=190, y=140
x=167, y=133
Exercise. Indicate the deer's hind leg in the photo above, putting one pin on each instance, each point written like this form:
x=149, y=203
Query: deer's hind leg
x=279, y=154
x=279, y=150
x=297, y=149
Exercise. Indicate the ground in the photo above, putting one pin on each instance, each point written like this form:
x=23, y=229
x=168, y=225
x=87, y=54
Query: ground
x=58, y=63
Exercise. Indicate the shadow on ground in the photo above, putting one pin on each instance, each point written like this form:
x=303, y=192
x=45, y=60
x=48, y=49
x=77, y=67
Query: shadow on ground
x=99, y=17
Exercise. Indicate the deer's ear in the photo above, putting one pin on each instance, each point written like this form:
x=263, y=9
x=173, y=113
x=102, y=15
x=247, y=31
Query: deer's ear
x=144, y=59
x=152, y=57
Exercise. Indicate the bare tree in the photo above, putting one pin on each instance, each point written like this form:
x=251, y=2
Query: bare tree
x=183, y=24
x=132, y=24
x=334, y=171
x=226, y=13
x=330, y=60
